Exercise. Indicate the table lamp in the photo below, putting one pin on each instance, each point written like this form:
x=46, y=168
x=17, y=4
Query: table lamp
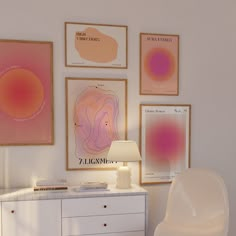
x=123, y=151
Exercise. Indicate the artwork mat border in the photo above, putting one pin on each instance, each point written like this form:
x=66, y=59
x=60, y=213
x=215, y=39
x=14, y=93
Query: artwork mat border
x=140, y=64
x=50, y=43
x=96, y=24
x=188, y=154
x=67, y=112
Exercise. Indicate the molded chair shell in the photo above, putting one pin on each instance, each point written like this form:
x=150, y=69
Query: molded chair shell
x=197, y=205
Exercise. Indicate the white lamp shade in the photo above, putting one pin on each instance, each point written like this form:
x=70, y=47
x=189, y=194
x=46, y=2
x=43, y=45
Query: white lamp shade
x=124, y=151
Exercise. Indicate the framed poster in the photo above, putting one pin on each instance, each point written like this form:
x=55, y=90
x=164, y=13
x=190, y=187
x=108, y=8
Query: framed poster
x=26, y=93
x=164, y=142
x=96, y=114
x=96, y=45
x=159, y=64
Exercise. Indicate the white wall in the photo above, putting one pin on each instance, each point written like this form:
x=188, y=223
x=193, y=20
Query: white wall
x=207, y=81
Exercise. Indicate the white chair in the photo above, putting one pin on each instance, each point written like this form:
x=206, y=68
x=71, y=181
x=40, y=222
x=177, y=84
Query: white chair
x=197, y=205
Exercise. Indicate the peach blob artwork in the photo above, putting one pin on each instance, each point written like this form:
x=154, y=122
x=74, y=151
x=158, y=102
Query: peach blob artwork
x=95, y=46
x=95, y=121
x=21, y=93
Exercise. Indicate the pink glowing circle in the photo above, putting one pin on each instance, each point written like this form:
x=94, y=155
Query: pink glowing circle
x=159, y=64
x=165, y=141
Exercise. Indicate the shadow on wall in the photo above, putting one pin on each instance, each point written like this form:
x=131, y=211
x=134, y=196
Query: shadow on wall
x=4, y=168
x=156, y=210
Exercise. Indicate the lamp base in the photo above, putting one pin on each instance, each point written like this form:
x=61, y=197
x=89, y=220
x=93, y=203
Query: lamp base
x=123, y=177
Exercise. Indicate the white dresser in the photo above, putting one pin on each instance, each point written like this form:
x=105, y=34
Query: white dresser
x=106, y=213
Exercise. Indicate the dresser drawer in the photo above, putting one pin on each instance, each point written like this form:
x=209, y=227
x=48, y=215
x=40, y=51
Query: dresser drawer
x=103, y=206
x=136, y=233
x=103, y=224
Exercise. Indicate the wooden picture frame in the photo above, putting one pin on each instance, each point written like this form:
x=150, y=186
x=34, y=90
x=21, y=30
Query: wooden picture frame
x=164, y=141
x=96, y=114
x=159, y=64
x=26, y=92
x=96, y=45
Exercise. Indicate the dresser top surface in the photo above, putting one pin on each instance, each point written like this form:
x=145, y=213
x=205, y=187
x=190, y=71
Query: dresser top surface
x=27, y=194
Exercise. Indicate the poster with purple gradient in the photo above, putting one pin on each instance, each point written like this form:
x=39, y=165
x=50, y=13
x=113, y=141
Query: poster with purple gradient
x=159, y=64
x=96, y=115
x=164, y=142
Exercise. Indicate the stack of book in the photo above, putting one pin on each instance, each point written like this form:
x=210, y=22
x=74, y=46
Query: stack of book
x=50, y=185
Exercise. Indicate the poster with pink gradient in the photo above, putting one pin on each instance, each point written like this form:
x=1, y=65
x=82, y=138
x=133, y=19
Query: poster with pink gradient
x=164, y=142
x=26, y=93
x=159, y=64
x=96, y=113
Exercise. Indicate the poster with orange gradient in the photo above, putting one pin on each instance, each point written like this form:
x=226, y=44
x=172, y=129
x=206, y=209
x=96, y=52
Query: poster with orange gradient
x=26, y=99
x=164, y=142
x=96, y=115
x=159, y=64
x=95, y=45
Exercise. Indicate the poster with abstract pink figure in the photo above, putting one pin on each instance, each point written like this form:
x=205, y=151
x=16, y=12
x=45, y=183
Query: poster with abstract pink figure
x=164, y=142
x=159, y=64
x=26, y=93
x=96, y=115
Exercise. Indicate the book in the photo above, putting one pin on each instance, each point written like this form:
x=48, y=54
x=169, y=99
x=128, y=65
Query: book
x=51, y=182
x=93, y=186
x=78, y=189
x=49, y=188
